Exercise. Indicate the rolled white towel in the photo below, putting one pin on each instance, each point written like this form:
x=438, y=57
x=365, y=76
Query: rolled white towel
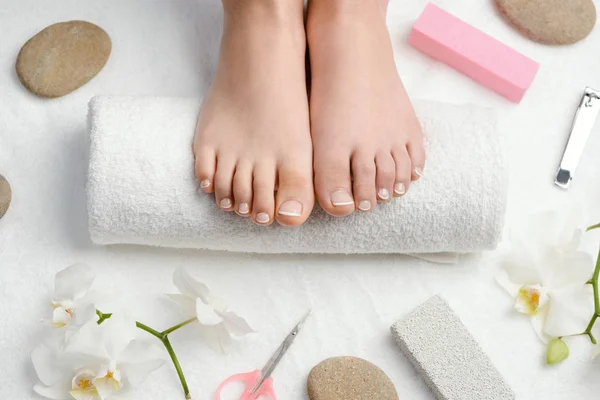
x=141, y=188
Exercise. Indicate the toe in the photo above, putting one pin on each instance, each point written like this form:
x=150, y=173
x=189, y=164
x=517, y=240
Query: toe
x=363, y=174
x=242, y=189
x=416, y=152
x=205, y=166
x=263, y=187
x=333, y=186
x=386, y=172
x=224, y=183
x=403, y=171
x=295, y=194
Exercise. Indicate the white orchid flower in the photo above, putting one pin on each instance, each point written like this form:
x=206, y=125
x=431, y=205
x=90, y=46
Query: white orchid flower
x=546, y=274
x=217, y=324
x=98, y=362
x=71, y=308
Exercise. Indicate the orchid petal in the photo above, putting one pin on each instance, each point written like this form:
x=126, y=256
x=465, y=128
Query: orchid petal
x=106, y=387
x=186, y=303
x=206, y=314
x=140, y=359
x=85, y=394
x=58, y=391
x=189, y=286
x=570, y=310
x=235, y=324
x=118, y=331
x=523, y=265
x=512, y=288
x=539, y=321
x=216, y=336
x=45, y=359
x=72, y=283
x=574, y=268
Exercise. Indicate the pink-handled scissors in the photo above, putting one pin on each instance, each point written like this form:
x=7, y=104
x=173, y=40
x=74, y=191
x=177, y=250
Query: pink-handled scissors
x=260, y=383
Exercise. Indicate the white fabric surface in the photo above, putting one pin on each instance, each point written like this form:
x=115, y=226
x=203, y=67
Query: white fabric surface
x=169, y=48
x=141, y=188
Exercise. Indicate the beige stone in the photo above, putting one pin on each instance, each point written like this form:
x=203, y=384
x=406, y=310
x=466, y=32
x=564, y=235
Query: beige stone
x=551, y=21
x=349, y=378
x=5, y=195
x=62, y=58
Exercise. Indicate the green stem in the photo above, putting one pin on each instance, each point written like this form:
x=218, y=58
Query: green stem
x=594, y=283
x=169, y=348
x=151, y=331
x=164, y=339
x=597, y=226
x=175, y=327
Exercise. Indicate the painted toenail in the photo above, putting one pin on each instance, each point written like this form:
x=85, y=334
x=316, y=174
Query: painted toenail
x=341, y=198
x=364, y=205
x=400, y=189
x=204, y=183
x=225, y=203
x=419, y=171
x=244, y=208
x=262, y=218
x=291, y=208
x=383, y=194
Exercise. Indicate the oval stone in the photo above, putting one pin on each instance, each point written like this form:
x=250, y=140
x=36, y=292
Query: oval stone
x=349, y=378
x=63, y=57
x=5, y=195
x=551, y=21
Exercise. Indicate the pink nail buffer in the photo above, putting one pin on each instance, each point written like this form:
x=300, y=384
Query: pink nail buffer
x=472, y=52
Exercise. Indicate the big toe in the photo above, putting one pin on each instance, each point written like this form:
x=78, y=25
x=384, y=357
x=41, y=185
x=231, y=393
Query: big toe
x=295, y=195
x=333, y=185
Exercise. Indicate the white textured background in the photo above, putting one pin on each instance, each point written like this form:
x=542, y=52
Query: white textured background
x=169, y=48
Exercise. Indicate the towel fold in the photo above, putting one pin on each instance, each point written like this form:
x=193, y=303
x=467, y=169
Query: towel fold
x=141, y=188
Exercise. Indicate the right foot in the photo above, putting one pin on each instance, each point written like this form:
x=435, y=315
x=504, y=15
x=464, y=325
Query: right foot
x=253, y=133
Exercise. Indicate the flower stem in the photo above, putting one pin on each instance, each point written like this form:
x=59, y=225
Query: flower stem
x=171, y=352
x=174, y=328
x=164, y=339
x=594, y=283
x=151, y=331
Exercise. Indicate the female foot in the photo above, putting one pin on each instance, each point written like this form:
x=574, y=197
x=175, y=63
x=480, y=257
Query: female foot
x=253, y=133
x=367, y=140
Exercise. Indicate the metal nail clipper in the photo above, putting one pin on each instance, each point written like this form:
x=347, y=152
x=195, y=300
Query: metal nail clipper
x=582, y=127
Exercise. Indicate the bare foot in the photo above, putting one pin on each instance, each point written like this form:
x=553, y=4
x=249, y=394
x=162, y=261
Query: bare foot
x=253, y=132
x=367, y=140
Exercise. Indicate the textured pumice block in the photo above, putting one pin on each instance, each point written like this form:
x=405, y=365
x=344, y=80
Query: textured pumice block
x=445, y=354
x=476, y=54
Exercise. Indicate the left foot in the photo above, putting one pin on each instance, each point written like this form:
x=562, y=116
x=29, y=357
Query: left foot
x=367, y=140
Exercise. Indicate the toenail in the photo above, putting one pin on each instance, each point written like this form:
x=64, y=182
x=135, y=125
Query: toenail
x=341, y=198
x=204, y=183
x=225, y=203
x=400, y=189
x=244, y=208
x=383, y=194
x=262, y=218
x=364, y=205
x=419, y=171
x=291, y=208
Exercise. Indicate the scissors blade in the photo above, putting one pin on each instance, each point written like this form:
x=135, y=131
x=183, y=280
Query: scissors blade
x=270, y=366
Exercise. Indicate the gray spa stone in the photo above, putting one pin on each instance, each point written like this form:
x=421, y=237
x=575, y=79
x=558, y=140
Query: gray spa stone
x=446, y=356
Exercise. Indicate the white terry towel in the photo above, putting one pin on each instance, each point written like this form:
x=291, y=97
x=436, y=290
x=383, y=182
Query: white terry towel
x=141, y=188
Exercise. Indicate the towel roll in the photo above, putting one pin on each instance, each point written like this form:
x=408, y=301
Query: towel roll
x=141, y=188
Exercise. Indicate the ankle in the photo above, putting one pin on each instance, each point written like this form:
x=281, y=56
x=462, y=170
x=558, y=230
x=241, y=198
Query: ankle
x=273, y=10
x=324, y=15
